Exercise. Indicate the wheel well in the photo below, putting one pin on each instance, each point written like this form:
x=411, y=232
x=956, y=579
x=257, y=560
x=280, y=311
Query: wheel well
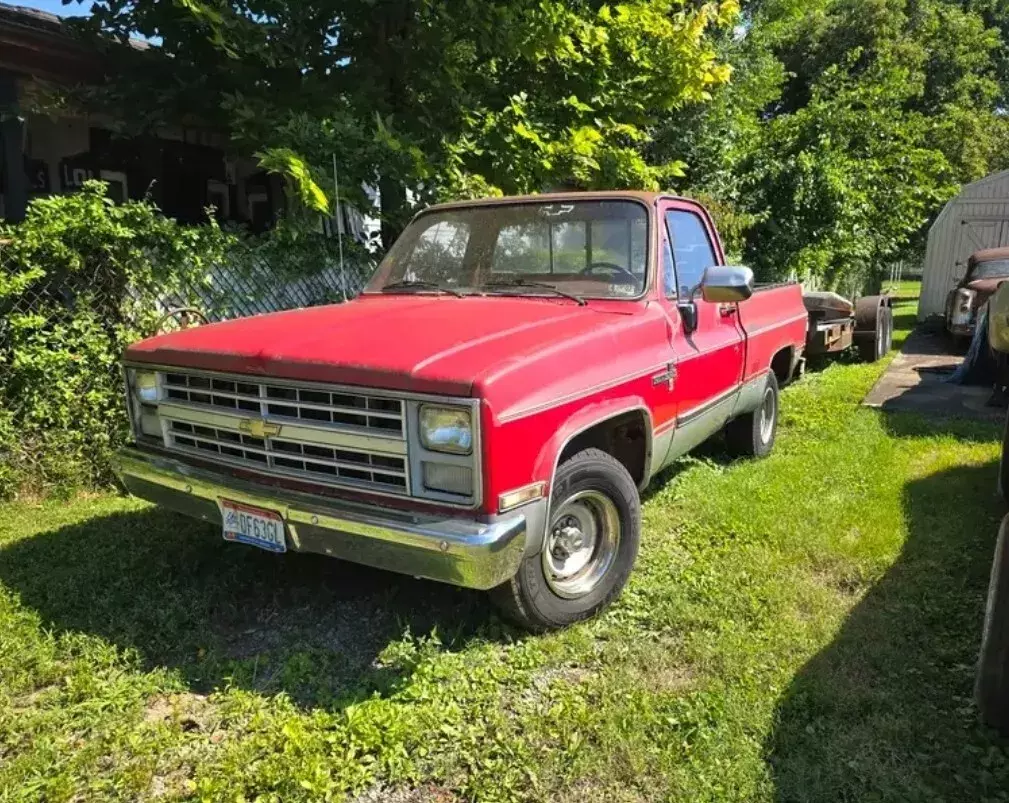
x=624, y=437
x=782, y=365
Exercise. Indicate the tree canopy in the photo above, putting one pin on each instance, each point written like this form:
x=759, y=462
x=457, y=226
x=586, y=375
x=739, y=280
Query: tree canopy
x=439, y=97
x=824, y=133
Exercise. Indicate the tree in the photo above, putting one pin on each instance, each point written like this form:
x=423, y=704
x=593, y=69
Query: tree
x=847, y=125
x=435, y=97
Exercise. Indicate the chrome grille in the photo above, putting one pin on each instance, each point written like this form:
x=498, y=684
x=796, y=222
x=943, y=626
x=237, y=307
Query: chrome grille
x=311, y=461
x=342, y=409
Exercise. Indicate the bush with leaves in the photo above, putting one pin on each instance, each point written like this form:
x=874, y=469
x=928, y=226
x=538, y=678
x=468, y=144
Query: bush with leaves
x=80, y=279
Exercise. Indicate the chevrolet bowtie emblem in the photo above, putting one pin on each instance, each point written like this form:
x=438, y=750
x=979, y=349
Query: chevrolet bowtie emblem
x=259, y=428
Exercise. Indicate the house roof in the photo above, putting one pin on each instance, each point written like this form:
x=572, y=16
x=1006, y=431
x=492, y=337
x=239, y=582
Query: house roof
x=38, y=44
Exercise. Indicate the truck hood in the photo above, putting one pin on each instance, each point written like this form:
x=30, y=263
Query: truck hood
x=425, y=344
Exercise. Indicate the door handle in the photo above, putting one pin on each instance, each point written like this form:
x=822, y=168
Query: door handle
x=725, y=310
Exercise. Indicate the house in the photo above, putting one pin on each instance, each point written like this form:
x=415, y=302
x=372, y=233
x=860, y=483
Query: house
x=183, y=168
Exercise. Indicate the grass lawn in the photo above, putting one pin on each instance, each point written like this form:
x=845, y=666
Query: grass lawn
x=803, y=628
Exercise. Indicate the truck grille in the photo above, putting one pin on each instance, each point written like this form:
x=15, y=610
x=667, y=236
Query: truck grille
x=329, y=436
x=341, y=409
x=290, y=457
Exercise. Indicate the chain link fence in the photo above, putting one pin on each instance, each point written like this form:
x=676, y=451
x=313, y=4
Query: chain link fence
x=247, y=284
x=66, y=317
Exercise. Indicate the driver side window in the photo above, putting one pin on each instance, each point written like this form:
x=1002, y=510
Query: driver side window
x=692, y=251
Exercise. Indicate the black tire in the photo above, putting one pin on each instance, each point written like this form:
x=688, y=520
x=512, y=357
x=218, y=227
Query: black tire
x=530, y=599
x=1003, y=466
x=992, y=687
x=874, y=348
x=752, y=435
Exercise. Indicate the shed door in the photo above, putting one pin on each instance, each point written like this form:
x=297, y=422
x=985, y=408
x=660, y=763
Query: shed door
x=976, y=235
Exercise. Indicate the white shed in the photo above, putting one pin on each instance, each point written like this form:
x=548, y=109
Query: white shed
x=977, y=218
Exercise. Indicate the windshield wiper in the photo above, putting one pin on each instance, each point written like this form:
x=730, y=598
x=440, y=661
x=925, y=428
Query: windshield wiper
x=419, y=285
x=516, y=283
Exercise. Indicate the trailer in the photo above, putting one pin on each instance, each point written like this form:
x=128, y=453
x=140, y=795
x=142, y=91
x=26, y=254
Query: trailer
x=836, y=325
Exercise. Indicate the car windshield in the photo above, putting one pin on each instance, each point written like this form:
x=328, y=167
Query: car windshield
x=995, y=269
x=582, y=249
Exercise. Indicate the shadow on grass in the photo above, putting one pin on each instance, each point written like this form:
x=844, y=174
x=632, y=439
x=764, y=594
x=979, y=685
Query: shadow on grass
x=885, y=712
x=174, y=592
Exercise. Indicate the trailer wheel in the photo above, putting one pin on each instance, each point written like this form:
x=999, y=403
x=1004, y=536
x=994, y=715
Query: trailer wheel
x=992, y=687
x=753, y=434
x=873, y=328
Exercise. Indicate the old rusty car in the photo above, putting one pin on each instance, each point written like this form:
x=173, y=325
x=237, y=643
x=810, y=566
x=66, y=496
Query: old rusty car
x=486, y=412
x=986, y=270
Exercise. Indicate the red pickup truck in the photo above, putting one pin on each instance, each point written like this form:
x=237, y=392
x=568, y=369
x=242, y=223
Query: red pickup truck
x=487, y=410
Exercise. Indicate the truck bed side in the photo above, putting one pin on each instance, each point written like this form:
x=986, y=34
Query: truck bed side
x=773, y=319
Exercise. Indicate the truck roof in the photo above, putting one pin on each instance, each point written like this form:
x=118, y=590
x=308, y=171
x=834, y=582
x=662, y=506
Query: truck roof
x=577, y=195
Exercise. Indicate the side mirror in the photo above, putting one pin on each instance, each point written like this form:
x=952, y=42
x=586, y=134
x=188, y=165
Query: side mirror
x=688, y=312
x=727, y=284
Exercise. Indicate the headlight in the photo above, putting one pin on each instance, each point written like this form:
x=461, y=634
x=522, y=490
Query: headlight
x=446, y=429
x=145, y=384
x=142, y=387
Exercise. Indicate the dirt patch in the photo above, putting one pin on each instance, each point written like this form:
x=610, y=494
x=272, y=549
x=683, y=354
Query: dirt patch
x=174, y=785
x=190, y=711
x=569, y=675
x=429, y=793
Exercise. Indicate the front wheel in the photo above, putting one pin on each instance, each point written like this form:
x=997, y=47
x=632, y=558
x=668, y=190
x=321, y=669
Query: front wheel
x=589, y=548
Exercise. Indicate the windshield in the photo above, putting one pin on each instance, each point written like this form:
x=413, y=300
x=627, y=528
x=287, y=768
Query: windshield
x=996, y=269
x=586, y=249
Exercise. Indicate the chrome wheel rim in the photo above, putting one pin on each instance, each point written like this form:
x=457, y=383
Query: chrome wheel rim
x=581, y=544
x=767, y=416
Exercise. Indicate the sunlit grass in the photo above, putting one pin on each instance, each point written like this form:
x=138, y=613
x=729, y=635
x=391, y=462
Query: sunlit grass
x=801, y=628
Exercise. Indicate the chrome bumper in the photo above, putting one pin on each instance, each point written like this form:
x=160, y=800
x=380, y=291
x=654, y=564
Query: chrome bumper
x=475, y=553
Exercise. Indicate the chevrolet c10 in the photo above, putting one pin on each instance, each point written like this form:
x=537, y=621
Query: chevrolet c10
x=488, y=409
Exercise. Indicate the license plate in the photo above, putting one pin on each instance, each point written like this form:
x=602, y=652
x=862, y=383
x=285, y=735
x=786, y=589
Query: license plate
x=253, y=526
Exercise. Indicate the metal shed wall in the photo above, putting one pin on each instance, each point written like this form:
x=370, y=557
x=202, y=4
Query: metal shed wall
x=977, y=218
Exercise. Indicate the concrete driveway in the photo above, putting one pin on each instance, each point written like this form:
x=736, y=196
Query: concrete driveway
x=915, y=382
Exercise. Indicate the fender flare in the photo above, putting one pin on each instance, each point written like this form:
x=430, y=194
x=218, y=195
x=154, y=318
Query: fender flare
x=583, y=420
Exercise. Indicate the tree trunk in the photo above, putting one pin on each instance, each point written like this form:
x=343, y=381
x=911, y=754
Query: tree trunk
x=393, y=204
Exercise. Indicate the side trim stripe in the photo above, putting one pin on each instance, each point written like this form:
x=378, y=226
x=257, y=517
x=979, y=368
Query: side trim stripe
x=611, y=383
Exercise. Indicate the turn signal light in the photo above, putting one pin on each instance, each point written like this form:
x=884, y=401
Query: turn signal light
x=520, y=496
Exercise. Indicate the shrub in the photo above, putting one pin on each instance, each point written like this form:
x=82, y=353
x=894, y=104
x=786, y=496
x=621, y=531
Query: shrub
x=80, y=279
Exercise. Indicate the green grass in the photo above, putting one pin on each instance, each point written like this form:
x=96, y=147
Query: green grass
x=802, y=628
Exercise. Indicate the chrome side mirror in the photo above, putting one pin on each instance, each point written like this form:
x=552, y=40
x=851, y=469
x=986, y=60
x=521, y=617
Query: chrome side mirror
x=726, y=284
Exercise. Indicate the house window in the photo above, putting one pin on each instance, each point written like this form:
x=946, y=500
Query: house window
x=116, y=180
x=219, y=197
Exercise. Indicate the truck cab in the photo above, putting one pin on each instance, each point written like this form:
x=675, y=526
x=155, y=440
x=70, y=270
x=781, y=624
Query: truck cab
x=486, y=412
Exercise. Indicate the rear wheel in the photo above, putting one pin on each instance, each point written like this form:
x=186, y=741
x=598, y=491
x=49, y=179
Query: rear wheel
x=753, y=434
x=588, y=550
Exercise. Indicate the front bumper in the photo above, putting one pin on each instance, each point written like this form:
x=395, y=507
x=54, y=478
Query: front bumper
x=469, y=552
x=962, y=329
